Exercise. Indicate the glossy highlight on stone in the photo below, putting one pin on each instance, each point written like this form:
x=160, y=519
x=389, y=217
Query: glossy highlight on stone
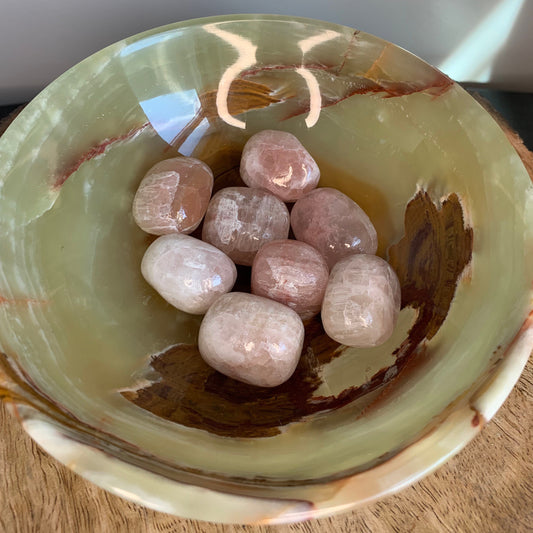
x=292, y=273
x=251, y=339
x=240, y=220
x=362, y=301
x=334, y=224
x=173, y=196
x=278, y=162
x=187, y=272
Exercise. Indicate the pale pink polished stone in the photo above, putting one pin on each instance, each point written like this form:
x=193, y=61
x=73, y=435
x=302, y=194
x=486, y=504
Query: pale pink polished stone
x=362, y=301
x=292, y=273
x=240, y=220
x=187, y=272
x=278, y=162
x=251, y=339
x=334, y=224
x=173, y=196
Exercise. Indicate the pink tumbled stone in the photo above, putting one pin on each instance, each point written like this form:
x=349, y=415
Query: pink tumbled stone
x=173, y=196
x=240, y=220
x=187, y=272
x=334, y=224
x=292, y=273
x=251, y=339
x=362, y=301
x=278, y=162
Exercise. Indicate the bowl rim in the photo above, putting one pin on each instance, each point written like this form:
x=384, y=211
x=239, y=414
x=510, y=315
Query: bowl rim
x=461, y=423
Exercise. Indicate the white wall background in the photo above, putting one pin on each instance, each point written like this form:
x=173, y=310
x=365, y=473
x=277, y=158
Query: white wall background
x=471, y=40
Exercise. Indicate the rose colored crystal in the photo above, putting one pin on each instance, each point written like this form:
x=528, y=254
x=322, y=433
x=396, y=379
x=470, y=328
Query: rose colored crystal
x=362, y=301
x=334, y=224
x=173, y=196
x=188, y=273
x=292, y=273
x=278, y=162
x=251, y=339
x=240, y=220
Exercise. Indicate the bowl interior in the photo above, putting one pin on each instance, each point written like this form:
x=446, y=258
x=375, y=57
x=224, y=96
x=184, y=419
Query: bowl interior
x=78, y=320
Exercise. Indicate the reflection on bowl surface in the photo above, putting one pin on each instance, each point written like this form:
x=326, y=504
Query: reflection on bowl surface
x=96, y=362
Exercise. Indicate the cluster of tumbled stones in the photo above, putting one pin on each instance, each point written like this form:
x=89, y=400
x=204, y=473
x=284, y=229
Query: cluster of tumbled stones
x=330, y=268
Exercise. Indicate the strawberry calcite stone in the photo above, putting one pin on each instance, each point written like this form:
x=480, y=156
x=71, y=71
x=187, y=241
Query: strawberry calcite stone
x=362, y=301
x=292, y=273
x=240, y=220
x=251, y=339
x=173, y=196
x=188, y=273
x=334, y=224
x=278, y=162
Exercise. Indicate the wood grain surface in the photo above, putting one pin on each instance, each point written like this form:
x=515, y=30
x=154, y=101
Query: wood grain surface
x=486, y=488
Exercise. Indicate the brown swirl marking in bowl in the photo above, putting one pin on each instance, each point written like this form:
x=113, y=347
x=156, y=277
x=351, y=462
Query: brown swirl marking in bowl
x=376, y=79
x=243, y=95
x=429, y=261
x=94, y=151
x=247, y=95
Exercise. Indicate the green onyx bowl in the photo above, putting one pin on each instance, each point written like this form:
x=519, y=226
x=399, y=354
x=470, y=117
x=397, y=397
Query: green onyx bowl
x=106, y=376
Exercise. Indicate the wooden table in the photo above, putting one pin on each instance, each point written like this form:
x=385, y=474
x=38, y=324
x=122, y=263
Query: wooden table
x=487, y=488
